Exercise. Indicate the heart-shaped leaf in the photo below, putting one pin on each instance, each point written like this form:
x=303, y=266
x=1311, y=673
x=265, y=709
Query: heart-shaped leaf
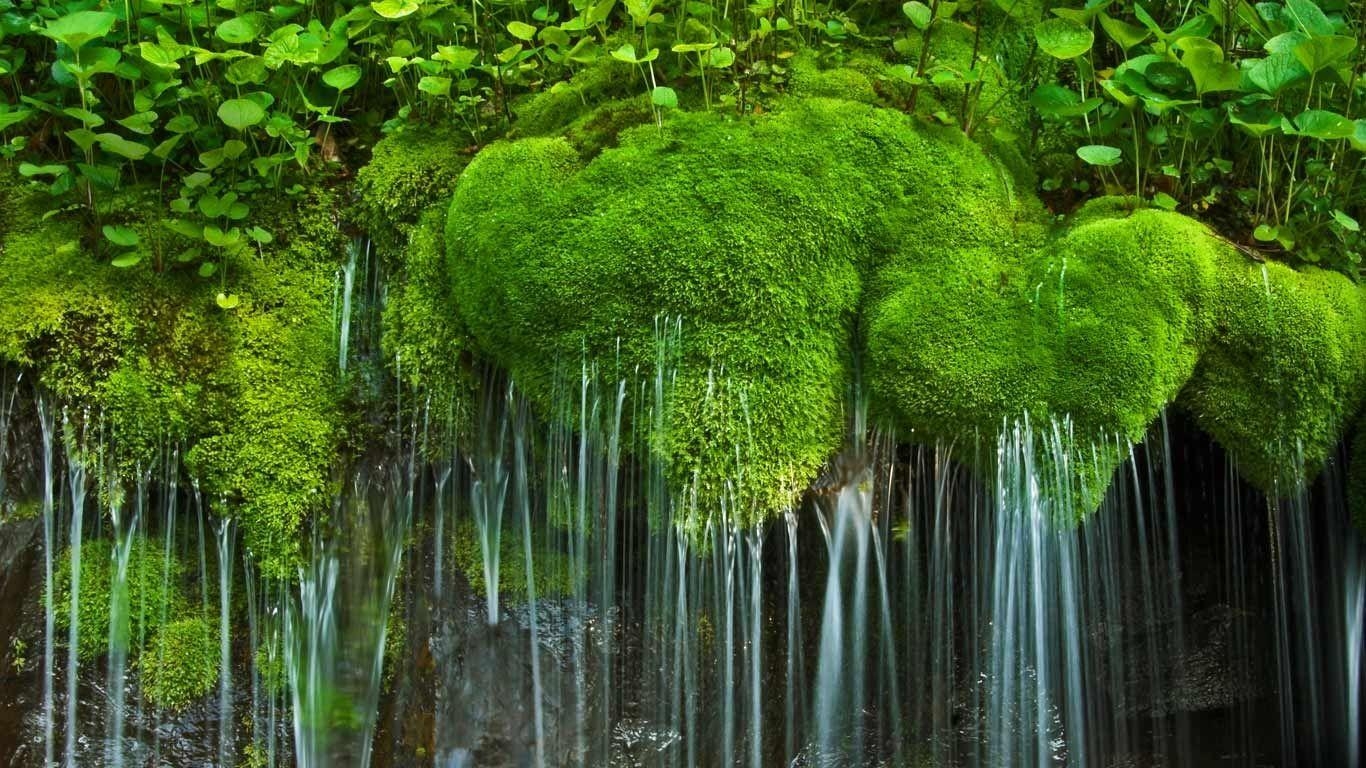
x=1099, y=154
x=343, y=77
x=120, y=236
x=1063, y=39
x=240, y=114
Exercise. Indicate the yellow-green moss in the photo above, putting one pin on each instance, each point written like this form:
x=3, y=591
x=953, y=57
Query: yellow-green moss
x=252, y=390
x=769, y=235
x=182, y=664
x=408, y=171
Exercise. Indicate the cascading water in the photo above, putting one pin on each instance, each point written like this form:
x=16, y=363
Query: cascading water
x=535, y=593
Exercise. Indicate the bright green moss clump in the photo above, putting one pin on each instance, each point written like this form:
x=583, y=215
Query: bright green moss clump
x=251, y=392
x=182, y=665
x=407, y=172
x=771, y=236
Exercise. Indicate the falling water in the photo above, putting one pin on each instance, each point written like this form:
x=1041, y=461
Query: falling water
x=224, y=537
x=76, y=480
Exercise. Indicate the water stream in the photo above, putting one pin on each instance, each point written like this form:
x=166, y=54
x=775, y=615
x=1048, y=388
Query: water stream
x=534, y=594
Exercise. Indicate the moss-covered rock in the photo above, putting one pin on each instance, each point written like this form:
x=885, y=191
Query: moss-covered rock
x=182, y=664
x=770, y=236
x=408, y=172
x=253, y=391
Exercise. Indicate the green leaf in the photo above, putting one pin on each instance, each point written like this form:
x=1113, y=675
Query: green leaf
x=1276, y=72
x=1125, y=35
x=692, y=47
x=1319, y=53
x=919, y=14
x=182, y=124
x=1323, y=124
x=240, y=114
x=9, y=119
x=1204, y=60
x=158, y=56
x=521, y=30
x=28, y=170
x=343, y=77
x=207, y=269
x=142, y=122
x=1309, y=17
x=220, y=239
x=1099, y=154
x=240, y=30
x=76, y=29
x=1265, y=233
x=436, y=86
x=627, y=53
x=1056, y=101
x=1165, y=201
x=227, y=300
x=394, y=9
x=120, y=236
x=1346, y=222
x=116, y=144
x=720, y=58
x=126, y=260
x=1063, y=39
x=664, y=97
x=260, y=235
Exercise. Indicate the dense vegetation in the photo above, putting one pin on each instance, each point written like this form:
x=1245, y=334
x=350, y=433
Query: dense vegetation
x=202, y=165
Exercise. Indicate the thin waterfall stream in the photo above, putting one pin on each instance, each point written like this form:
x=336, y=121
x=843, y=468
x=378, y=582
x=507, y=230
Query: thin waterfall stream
x=535, y=594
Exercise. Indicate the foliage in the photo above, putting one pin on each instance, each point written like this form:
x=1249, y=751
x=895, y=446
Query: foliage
x=1247, y=114
x=182, y=664
x=154, y=593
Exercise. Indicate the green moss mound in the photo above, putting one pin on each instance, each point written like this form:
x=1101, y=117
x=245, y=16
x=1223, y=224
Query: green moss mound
x=182, y=665
x=790, y=240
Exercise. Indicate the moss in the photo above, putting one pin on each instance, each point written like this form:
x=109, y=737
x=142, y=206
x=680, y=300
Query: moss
x=556, y=108
x=182, y=664
x=1284, y=371
x=553, y=571
x=154, y=593
x=769, y=235
x=423, y=340
x=408, y=170
x=806, y=78
x=254, y=390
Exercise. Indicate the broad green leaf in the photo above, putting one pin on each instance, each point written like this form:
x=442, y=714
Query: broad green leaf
x=1125, y=35
x=1056, y=101
x=919, y=14
x=521, y=30
x=116, y=144
x=627, y=53
x=1274, y=73
x=120, y=236
x=1063, y=39
x=458, y=57
x=260, y=235
x=1099, y=154
x=1322, y=52
x=1346, y=222
x=8, y=119
x=1265, y=233
x=240, y=30
x=664, y=96
x=1165, y=201
x=249, y=71
x=28, y=170
x=1309, y=17
x=436, y=86
x=207, y=269
x=1358, y=138
x=343, y=77
x=76, y=29
x=240, y=114
x=126, y=260
x=1204, y=59
x=227, y=300
x=220, y=239
x=142, y=122
x=720, y=58
x=158, y=56
x=692, y=47
x=182, y=124
x=394, y=9
x=1323, y=124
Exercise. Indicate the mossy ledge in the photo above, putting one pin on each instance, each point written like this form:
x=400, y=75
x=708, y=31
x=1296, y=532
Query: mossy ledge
x=827, y=228
x=251, y=393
